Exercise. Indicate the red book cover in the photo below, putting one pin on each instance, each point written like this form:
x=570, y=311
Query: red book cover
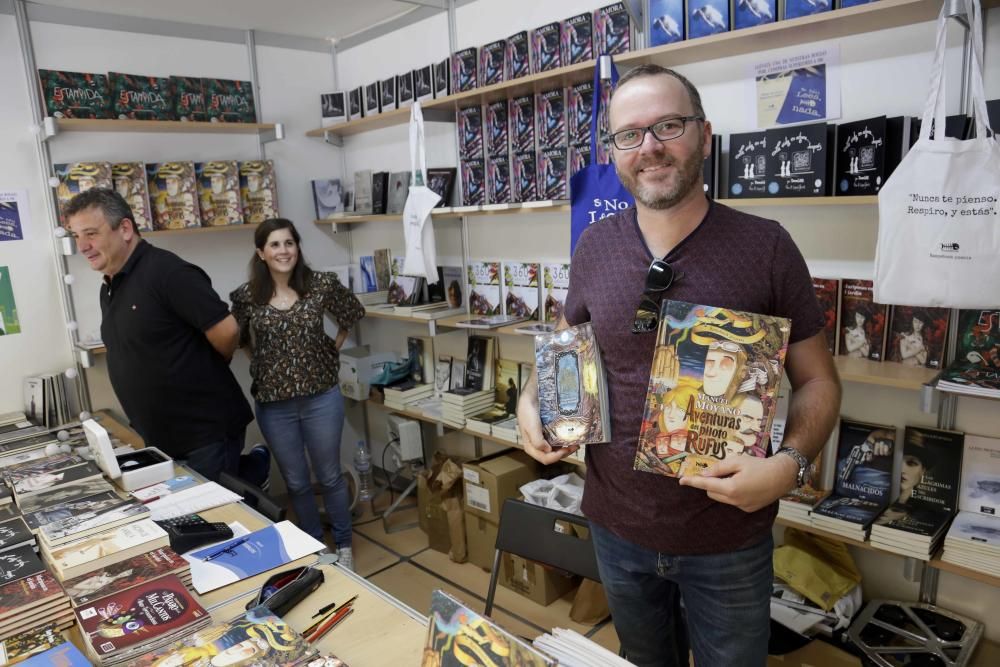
x=827, y=293
x=917, y=335
x=138, y=615
x=862, y=321
x=124, y=575
x=24, y=594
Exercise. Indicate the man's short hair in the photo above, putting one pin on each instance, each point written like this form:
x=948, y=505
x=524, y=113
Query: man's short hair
x=112, y=205
x=658, y=70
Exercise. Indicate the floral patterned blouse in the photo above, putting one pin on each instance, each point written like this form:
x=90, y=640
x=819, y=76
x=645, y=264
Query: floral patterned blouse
x=291, y=355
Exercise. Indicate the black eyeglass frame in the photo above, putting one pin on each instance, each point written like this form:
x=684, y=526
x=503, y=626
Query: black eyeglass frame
x=611, y=138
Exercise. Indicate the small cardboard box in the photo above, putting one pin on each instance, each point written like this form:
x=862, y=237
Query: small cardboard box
x=533, y=580
x=480, y=540
x=492, y=479
x=358, y=365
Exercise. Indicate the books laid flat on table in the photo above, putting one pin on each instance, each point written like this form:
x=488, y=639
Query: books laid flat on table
x=535, y=328
x=712, y=387
x=127, y=574
x=31, y=601
x=572, y=391
x=270, y=547
x=86, y=518
x=33, y=642
x=15, y=533
x=258, y=634
x=64, y=655
x=132, y=623
x=102, y=549
x=915, y=524
x=148, y=494
x=863, y=479
x=58, y=496
x=19, y=563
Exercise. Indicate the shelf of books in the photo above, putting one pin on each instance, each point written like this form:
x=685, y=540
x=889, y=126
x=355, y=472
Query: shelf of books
x=159, y=126
x=200, y=230
x=827, y=25
x=812, y=530
x=883, y=373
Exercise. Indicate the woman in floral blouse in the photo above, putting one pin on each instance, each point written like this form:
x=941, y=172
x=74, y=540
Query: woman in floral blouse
x=294, y=367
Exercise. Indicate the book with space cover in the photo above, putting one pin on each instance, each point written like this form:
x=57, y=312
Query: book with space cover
x=917, y=335
x=219, y=193
x=976, y=369
x=115, y=625
x=713, y=387
x=258, y=191
x=828, y=295
x=517, y=56
x=264, y=637
x=451, y=623
x=521, y=289
x=862, y=321
x=572, y=389
x=139, y=97
x=75, y=94
x=126, y=574
x=484, y=288
x=546, y=47
x=228, y=101
x=77, y=177
x=173, y=195
x=189, y=99
x=863, y=476
x=555, y=284
x=130, y=182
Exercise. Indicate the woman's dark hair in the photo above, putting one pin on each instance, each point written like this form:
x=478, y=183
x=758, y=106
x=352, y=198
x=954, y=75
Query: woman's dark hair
x=261, y=283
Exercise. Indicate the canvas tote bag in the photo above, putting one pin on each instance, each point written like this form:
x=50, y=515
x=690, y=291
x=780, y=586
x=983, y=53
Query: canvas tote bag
x=939, y=228
x=418, y=230
x=595, y=191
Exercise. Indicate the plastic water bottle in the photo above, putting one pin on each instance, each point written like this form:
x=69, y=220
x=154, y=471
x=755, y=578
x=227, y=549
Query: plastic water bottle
x=363, y=466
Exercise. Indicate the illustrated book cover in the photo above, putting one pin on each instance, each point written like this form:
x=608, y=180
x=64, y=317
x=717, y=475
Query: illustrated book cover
x=524, y=177
x=863, y=322
x=219, y=193
x=464, y=70
x=498, y=181
x=473, y=182
x=19, y=563
x=124, y=575
x=546, y=47
x=228, y=101
x=828, y=295
x=138, y=97
x=666, y=21
x=521, y=116
x=521, y=289
x=578, y=39
x=612, y=30
x=552, y=176
x=77, y=177
x=470, y=133
x=581, y=101
x=189, y=99
x=863, y=476
x=517, y=58
x=130, y=182
x=75, y=94
x=555, y=282
x=491, y=62
x=258, y=191
x=484, y=288
x=550, y=119
x=497, y=130
x=748, y=161
x=713, y=387
x=173, y=195
x=572, y=389
x=917, y=336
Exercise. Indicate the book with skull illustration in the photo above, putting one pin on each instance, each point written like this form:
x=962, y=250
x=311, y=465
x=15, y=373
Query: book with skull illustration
x=713, y=387
x=572, y=389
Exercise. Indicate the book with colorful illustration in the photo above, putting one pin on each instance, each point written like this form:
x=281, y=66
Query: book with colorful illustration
x=131, y=183
x=126, y=574
x=521, y=289
x=77, y=177
x=484, y=288
x=917, y=336
x=139, y=97
x=189, y=99
x=228, y=101
x=828, y=295
x=173, y=195
x=75, y=94
x=862, y=321
x=258, y=191
x=713, y=387
x=219, y=193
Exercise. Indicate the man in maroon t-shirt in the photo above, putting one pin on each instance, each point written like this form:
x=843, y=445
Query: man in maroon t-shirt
x=704, y=539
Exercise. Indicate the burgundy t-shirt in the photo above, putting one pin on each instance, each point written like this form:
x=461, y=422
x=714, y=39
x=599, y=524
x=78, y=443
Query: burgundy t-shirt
x=731, y=260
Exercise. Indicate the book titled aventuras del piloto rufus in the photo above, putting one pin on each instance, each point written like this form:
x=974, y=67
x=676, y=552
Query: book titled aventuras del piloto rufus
x=713, y=387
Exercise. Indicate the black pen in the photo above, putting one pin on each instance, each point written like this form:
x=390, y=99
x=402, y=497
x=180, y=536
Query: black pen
x=325, y=609
x=216, y=554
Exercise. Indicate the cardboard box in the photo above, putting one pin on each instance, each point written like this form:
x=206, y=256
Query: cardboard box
x=439, y=506
x=815, y=654
x=480, y=540
x=358, y=365
x=492, y=479
x=534, y=580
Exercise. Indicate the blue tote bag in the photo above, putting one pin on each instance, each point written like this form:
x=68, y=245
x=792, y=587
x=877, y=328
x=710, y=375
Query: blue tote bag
x=595, y=191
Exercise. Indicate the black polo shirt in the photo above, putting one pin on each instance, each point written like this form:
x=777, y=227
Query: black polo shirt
x=176, y=389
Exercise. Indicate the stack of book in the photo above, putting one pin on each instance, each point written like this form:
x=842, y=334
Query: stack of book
x=373, y=298
x=976, y=369
x=915, y=524
x=50, y=400
x=31, y=601
x=103, y=549
x=126, y=574
x=797, y=505
x=974, y=538
x=862, y=482
x=403, y=395
x=14, y=532
x=124, y=626
x=48, y=473
x=499, y=419
x=507, y=429
x=458, y=405
x=88, y=516
x=40, y=646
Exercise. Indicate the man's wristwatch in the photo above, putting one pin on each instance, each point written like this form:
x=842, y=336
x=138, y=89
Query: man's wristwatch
x=803, y=475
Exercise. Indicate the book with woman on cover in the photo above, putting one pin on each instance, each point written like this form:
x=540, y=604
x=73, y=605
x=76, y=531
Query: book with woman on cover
x=713, y=387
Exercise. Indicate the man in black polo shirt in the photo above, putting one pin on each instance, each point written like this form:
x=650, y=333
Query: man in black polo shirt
x=169, y=337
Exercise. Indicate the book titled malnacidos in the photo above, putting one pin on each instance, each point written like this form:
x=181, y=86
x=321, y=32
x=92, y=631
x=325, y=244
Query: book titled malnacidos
x=713, y=387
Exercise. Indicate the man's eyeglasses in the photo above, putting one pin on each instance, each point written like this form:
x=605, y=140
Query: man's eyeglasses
x=659, y=278
x=664, y=130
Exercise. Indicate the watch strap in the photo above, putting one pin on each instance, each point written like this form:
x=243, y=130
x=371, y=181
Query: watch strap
x=800, y=459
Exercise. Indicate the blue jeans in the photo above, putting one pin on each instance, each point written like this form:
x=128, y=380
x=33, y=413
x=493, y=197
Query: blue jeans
x=726, y=597
x=310, y=424
x=221, y=456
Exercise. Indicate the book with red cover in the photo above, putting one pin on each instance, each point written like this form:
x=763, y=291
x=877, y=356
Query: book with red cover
x=828, y=293
x=19, y=596
x=138, y=615
x=124, y=575
x=862, y=321
x=917, y=335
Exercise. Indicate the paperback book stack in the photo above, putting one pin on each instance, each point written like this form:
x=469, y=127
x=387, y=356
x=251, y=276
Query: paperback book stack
x=862, y=482
x=797, y=505
x=32, y=601
x=449, y=373
x=973, y=541
x=78, y=557
x=915, y=524
x=47, y=474
x=418, y=385
x=476, y=393
x=122, y=627
x=123, y=575
x=82, y=518
x=40, y=646
x=504, y=404
x=976, y=370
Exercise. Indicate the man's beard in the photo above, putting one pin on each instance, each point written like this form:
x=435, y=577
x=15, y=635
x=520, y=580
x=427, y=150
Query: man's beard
x=661, y=196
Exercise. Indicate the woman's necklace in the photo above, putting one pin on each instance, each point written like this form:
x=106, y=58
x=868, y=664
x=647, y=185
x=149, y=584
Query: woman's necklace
x=284, y=302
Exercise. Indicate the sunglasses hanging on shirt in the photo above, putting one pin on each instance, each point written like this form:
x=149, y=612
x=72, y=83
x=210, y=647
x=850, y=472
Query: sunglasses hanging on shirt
x=659, y=277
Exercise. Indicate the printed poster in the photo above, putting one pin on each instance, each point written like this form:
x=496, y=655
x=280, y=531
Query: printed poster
x=13, y=214
x=796, y=87
x=9, y=323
